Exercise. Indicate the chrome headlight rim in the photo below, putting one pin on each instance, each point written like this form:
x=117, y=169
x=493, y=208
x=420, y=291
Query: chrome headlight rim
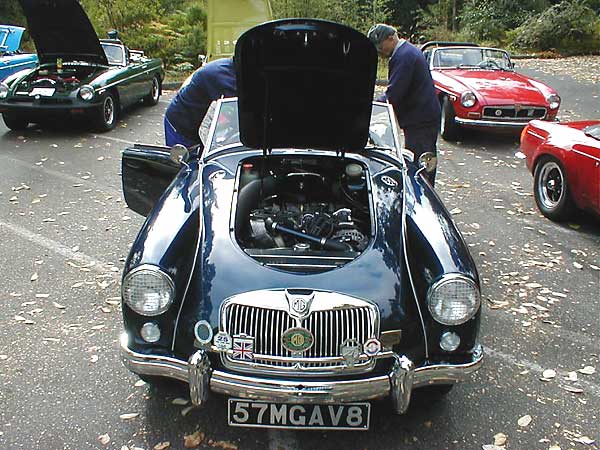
x=157, y=271
x=3, y=90
x=448, y=278
x=86, y=92
x=468, y=99
x=553, y=101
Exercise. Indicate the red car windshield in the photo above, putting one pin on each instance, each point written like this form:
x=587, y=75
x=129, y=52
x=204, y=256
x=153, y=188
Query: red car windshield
x=481, y=58
x=593, y=131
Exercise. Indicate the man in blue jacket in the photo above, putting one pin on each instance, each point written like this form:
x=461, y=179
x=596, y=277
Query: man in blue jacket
x=187, y=109
x=410, y=90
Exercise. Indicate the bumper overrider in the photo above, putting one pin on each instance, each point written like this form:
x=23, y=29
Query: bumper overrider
x=202, y=378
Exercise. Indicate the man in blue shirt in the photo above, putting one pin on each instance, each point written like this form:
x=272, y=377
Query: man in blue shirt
x=187, y=109
x=410, y=90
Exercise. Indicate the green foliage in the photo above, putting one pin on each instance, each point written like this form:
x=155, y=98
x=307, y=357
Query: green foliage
x=359, y=14
x=570, y=27
x=172, y=30
x=491, y=19
x=10, y=13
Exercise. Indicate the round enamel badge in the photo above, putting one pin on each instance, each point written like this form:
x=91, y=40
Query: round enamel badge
x=297, y=339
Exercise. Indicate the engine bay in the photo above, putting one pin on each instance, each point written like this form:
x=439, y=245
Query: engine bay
x=62, y=80
x=298, y=206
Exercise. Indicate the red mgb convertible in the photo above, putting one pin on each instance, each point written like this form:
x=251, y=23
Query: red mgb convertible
x=565, y=161
x=479, y=88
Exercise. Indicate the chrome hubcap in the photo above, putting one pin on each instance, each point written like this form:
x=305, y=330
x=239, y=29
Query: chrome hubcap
x=109, y=110
x=551, y=185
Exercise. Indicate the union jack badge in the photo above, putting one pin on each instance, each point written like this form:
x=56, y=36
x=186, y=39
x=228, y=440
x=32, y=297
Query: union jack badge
x=243, y=347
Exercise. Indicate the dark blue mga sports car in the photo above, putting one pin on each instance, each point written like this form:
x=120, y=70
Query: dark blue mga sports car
x=298, y=262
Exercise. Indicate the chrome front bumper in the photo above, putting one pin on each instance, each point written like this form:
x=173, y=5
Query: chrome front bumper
x=490, y=123
x=398, y=384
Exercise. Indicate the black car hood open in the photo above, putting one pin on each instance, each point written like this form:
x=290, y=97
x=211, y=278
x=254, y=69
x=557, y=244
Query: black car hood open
x=305, y=84
x=62, y=29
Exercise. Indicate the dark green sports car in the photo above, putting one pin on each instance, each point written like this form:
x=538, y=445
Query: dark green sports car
x=78, y=74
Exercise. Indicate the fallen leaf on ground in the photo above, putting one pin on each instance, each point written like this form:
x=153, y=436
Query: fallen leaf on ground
x=588, y=370
x=139, y=383
x=491, y=447
x=225, y=445
x=104, y=439
x=585, y=440
x=58, y=305
x=128, y=416
x=549, y=374
x=162, y=446
x=193, y=440
x=524, y=421
x=180, y=401
x=500, y=439
x=34, y=277
x=574, y=390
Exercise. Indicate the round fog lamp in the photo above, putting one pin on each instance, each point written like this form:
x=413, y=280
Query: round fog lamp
x=203, y=332
x=449, y=341
x=150, y=332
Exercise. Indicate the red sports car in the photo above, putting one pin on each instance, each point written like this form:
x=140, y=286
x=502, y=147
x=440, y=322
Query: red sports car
x=565, y=161
x=479, y=88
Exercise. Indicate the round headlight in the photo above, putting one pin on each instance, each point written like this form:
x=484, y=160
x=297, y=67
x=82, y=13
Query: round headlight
x=86, y=92
x=553, y=101
x=468, y=99
x=453, y=300
x=3, y=90
x=148, y=290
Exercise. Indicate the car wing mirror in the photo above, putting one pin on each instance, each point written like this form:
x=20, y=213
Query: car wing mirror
x=177, y=153
x=427, y=162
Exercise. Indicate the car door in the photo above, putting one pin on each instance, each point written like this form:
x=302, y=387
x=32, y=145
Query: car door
x=147, y=171
x=587, y=156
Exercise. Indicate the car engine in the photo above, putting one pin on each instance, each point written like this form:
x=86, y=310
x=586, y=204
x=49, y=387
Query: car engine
x=303, y=205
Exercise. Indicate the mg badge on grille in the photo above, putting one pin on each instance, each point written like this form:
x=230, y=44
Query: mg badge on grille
x=297, y=340
x=299, y=304
x=243, y=347
x=350, y=351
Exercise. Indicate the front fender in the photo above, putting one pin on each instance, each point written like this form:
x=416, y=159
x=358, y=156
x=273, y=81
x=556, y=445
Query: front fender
x=435, y=248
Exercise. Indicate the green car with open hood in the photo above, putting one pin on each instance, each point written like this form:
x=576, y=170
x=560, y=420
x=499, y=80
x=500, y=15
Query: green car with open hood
x=78, y=74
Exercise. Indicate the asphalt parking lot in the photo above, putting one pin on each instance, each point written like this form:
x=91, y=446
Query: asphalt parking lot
x=65, y=232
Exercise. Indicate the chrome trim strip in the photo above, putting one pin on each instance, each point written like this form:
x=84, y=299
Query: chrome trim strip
x=585, y=154
x=533, y=133
x=12, y=66
x=491, y=123
x=262, y=255
x=101, y=89
x=295, y=391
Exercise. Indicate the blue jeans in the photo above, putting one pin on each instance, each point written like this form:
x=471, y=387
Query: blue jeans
x=172, y=137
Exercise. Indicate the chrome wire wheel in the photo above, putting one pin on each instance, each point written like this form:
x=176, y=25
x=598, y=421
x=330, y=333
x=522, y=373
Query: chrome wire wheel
x=109, y=111
x=551, y=185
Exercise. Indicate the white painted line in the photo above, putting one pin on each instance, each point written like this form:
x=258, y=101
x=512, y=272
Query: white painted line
x=586, y=385
x=114, y=139
x=282, y=439
x=66, y=252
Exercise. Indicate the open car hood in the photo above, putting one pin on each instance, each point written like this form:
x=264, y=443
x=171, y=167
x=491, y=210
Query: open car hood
x=10, y=38
x=62, y=29
x=305, y=84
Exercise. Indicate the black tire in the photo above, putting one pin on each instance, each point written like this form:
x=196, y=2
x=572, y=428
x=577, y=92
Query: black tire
x=107, y=114
x=551, y=190
x=154, y=96
x=449, y=129
x=14, y=122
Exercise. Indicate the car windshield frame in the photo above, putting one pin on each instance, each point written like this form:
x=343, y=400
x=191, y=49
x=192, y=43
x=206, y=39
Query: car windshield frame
x=3, y=39
x=593, y=131
x=382, y=136
x=111, y=61
x=456, y=59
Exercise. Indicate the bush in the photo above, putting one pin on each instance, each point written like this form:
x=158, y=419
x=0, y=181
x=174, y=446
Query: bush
x=491, y=19
x=568, y=27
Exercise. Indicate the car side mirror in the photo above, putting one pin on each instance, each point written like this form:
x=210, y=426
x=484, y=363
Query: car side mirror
x=177, y=153
x=427, y=162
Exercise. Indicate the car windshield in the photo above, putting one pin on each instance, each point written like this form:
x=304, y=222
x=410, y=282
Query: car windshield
x=114, y=53
x=227, y=132
x=482, y=58
x=593, y=131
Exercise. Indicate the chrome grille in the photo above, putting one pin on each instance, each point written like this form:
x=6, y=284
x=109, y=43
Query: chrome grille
x=330, y=324
x=525, y=113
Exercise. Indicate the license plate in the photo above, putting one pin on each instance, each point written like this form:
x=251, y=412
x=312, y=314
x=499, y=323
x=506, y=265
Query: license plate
x=249, y=413
x=42, y=92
